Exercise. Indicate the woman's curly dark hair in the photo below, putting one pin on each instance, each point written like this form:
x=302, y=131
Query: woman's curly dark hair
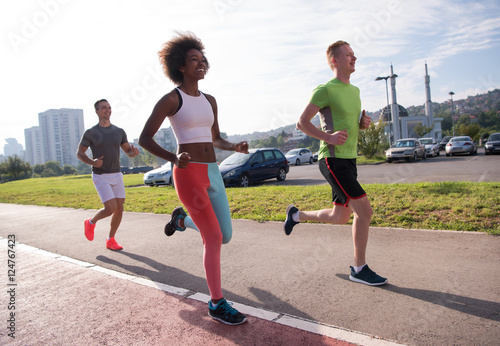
x=173, y=54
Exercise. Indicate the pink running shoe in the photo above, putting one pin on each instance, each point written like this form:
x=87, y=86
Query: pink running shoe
x=89, y=230
x=112, y=244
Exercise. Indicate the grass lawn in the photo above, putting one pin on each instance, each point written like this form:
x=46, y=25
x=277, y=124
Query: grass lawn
x=461, y=206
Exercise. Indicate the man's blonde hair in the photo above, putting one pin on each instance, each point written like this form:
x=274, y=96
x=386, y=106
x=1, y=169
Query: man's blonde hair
x=333, y=51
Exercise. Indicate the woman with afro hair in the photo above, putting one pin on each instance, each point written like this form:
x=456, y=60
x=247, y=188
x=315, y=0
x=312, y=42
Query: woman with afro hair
x=198, y=183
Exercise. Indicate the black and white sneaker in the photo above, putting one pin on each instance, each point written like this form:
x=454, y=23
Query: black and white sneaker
x=173, y=224
x=367, y=276
x=225, y=313
x=289, y=223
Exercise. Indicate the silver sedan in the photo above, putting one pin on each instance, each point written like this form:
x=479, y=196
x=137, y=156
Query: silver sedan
x=409, y=149
x=461, y=145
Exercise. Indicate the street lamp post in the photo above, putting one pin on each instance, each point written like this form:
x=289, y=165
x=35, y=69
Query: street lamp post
x=451, y=93
x=389, y=114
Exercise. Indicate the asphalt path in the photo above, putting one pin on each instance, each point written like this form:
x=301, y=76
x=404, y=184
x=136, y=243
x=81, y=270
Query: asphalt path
x=475, y=168
x=443, y=285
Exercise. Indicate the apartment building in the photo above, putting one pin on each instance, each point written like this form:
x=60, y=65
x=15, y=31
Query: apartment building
x=60, y=131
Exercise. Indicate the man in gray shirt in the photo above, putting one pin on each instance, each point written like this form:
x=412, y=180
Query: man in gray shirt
x=105, y=141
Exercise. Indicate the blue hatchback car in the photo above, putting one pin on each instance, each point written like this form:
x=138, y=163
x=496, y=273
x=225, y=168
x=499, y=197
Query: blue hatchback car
x=259, y=164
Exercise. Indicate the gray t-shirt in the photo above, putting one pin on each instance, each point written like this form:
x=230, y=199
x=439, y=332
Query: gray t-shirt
x=105, y=142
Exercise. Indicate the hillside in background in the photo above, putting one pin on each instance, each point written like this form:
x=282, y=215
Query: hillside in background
x=264, y=135
x=472, y=106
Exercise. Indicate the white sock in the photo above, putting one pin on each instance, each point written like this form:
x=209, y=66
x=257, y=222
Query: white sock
x=358, y=269
x=295, y=217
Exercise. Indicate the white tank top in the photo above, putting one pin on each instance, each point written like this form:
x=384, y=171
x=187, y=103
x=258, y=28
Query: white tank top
x=192, y=123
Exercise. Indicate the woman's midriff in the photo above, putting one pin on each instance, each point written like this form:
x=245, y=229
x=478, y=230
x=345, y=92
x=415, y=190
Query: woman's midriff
x=199, y=152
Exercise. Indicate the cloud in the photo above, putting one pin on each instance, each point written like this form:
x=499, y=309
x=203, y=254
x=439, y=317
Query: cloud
x=266, y=56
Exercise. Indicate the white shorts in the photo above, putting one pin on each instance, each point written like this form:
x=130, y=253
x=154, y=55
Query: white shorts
x=109, y=185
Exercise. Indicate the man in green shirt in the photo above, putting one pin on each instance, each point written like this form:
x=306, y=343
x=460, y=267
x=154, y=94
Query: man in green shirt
x=339, y=105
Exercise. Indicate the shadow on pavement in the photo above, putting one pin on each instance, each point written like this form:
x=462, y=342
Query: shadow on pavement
x=254, y=332
x=161, y=272
x=471, y=306
x=179, y=278
x=265, y=296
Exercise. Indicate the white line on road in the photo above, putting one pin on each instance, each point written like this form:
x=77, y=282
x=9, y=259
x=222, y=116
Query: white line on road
x=284, y=319
x=482, y=177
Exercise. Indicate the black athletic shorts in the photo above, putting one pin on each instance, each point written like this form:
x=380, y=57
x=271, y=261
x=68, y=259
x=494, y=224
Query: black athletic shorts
x=342, y=175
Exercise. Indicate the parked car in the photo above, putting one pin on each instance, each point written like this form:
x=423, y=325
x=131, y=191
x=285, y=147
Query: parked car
x=431, y=146
x=159, y=176
x=260, y=164
x=444, y=141
x=315, y=156
x=461, y=145
x=408, y=149
x=299, y=155
x=492, y=144
x=135, y=170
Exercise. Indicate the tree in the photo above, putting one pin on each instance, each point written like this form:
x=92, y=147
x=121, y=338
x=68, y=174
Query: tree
x=489, y=119
x=137, y=161
x=281, y=141
x=124, y=160
x=83, y=168
x=149, y=159
x=446, y=123
x=369, y=140
x=311, y=143
x=484, y=136
x=272, y=142
x=69, y=170
x=471, y=130
x=15, y=169
x=255, y=143
x=474, y=131
x=38, y=169
x=421, y=130
x=52, y=169
x=49, y=172
x=463, y=119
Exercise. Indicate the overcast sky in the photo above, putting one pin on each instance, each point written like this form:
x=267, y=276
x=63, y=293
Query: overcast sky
x=266, y=56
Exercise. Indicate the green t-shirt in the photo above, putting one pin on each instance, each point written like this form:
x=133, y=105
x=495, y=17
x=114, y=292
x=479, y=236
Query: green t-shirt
x=340, y=110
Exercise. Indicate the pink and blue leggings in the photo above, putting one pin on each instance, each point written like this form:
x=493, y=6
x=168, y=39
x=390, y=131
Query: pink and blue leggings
x=201, y=190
